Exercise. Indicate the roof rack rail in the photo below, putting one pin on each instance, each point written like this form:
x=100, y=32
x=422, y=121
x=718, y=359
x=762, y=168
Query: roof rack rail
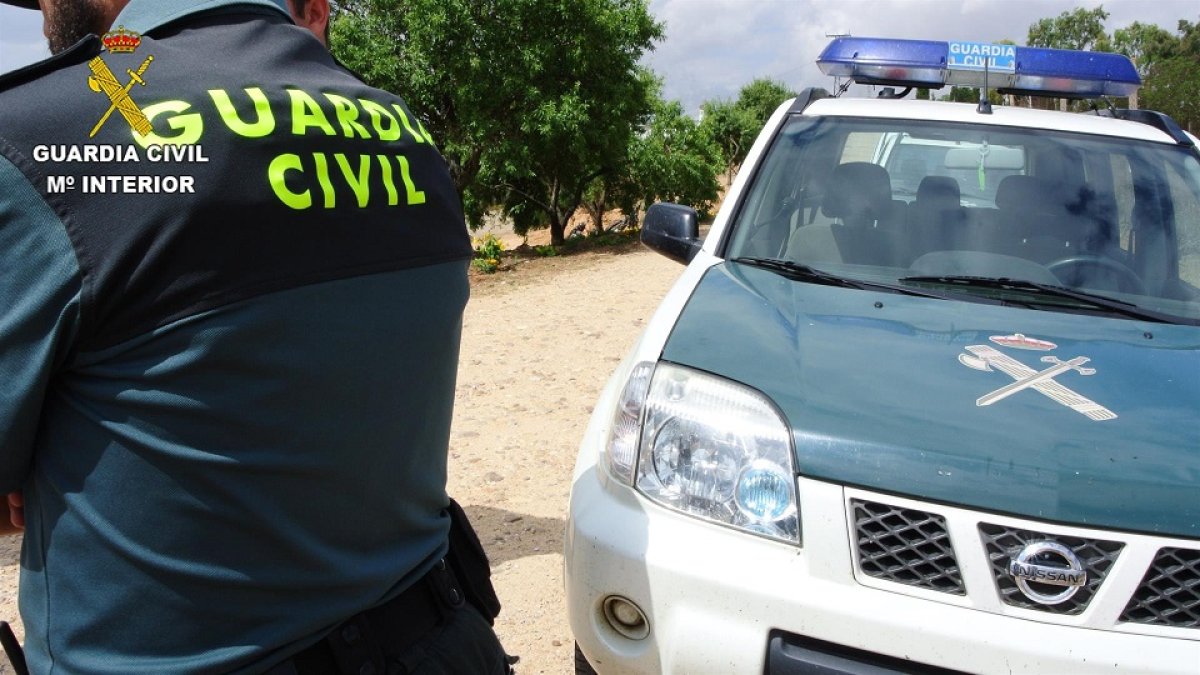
x=1160, y=121
x=806, y=97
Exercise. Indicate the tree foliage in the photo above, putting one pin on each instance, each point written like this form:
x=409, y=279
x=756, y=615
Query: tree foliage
x=761, y=97
x=530, y=99
x=1172, y=83
x=733, y=126
x=670, y=159
x=1144, y=44
x=1169, y=64
x=1076, y=29
x=730, y=129
x=674, y=160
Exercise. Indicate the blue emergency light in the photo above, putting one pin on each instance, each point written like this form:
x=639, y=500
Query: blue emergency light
x=1023, y=70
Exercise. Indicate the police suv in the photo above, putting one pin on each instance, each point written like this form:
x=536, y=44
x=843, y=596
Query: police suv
x=926, y=398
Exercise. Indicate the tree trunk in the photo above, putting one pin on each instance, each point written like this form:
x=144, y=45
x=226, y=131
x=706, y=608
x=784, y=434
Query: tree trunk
x=598, y=211
x=558, y=228
x=558, y=224
x=464, y=171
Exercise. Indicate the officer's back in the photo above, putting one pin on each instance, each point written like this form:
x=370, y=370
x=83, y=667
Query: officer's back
x=233, y=370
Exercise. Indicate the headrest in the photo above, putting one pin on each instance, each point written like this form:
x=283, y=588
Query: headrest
x=938, y=192
x=1023, y=192
x=858, y=193
x=1059, y=166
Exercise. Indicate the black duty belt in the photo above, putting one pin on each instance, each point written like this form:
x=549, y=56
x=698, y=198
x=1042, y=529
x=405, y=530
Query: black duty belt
x=363, y=644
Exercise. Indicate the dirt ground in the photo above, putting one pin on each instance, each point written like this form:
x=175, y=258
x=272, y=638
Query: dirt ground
x=540, y=338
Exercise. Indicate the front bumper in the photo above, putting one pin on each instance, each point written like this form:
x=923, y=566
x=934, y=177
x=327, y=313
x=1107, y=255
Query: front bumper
x=714, y=596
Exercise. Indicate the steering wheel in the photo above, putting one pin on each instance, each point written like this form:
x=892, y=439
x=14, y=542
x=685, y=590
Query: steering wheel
x=1113, y=274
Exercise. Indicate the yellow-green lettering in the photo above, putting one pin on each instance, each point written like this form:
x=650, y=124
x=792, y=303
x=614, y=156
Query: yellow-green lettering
x=347, y=115
x=378, y=113
x=277, y=173
x=414, y=195
x=385, y=166
x=263, y=126
x=357, y=182
x=429, y=138
x=407, y=124
x=189, y=126
x=306, y=113
x=323, y=179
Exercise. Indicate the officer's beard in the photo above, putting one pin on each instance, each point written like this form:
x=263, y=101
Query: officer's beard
x=69, y=21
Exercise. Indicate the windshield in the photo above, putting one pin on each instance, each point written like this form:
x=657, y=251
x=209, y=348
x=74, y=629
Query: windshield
x=909, y=201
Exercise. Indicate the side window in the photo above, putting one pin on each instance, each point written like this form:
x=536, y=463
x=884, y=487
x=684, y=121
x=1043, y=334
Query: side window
x=860, y=147
x=1185, y=196
x=1122, y=179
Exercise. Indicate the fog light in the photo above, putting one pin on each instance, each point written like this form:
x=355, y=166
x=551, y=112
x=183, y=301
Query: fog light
x=626, y=618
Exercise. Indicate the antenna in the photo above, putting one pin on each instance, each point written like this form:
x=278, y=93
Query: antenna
x=985, y=106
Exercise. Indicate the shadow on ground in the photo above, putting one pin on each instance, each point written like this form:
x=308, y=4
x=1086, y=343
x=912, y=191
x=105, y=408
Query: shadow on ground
x=508, y=535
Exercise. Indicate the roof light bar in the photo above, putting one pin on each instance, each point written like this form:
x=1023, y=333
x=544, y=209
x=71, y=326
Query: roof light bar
x=1026, y=70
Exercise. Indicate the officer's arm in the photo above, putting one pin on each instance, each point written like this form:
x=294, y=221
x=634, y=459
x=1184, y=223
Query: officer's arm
x=39, y=307
x=15, y=522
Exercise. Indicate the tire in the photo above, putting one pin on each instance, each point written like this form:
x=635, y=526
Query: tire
x=582, y=667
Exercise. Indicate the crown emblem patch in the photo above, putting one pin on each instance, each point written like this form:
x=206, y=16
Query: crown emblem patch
x=1019, y=341
x=121, y=41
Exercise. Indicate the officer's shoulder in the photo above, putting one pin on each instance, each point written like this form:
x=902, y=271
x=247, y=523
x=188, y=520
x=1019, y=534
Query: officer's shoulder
x=78, y=53
x=347, y=69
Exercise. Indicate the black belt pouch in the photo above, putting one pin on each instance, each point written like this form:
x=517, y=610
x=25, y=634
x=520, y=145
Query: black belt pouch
x=470, y=564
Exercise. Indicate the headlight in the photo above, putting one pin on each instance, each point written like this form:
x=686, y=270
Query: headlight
x=710, y=448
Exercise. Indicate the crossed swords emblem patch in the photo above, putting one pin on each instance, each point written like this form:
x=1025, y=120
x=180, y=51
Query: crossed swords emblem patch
x=987, y=359
x=102, y=80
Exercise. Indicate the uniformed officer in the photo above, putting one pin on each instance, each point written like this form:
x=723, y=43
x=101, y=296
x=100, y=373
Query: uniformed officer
x=232, y=289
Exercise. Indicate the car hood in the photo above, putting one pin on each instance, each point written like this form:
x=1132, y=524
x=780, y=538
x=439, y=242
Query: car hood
x=883, y=391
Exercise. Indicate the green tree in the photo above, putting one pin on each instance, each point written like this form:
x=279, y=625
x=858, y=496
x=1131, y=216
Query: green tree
x=529, y=99
x=1170, y=68
x=1174, y=88
x=672, y=160
x=734, y=126
x=575, y=136
x=1076, y=29
x=1189, y=39
x=1144, y=44
x=730, y=129
x=761, y=97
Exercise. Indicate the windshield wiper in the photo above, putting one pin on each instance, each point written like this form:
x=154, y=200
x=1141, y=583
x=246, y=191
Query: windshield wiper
x=1082, y=299
x=801, y=272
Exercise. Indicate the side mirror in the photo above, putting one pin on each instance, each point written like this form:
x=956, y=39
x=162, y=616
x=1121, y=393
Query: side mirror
x=673, y=231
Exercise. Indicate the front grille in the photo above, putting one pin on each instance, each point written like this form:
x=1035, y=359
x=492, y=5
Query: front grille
x=1169, y=594
x=906, y=546
x=1005, y=543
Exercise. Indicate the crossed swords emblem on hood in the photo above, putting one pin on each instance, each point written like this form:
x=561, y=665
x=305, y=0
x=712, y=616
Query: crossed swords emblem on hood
x=987, y=358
